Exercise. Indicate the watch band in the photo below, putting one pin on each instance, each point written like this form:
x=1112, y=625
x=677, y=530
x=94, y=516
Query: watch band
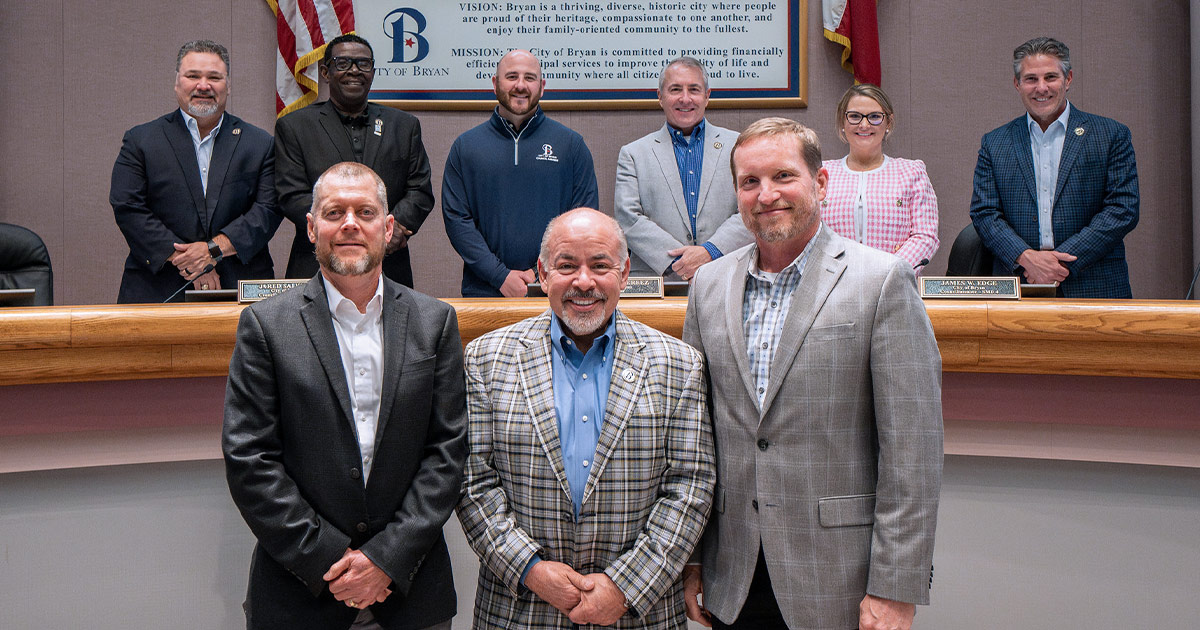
x=214, y=250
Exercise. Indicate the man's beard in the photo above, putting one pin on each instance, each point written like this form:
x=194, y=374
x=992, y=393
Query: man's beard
x=584, y=323
x=202, y=109
x=356, y=267
x=799, y=222
x=506, y=100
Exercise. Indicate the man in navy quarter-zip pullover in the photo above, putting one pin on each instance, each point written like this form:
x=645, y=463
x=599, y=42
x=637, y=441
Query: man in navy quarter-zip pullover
x=507, y=178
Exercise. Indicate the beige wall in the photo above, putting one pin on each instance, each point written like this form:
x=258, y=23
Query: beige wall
x=77, y=74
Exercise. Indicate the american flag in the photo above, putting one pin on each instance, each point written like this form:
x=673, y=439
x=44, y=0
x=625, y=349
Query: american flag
x=303, y=28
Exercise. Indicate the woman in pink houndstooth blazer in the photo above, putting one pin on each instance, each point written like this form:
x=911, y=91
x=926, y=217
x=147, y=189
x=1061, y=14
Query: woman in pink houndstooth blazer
x=880, y=201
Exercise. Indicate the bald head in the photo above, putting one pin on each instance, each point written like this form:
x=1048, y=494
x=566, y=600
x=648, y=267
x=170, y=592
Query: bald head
x=584, y=221
x=518, y=83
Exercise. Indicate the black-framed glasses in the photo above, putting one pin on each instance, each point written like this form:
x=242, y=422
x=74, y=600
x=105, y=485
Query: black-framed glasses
x=875, y=118
x=342, y=64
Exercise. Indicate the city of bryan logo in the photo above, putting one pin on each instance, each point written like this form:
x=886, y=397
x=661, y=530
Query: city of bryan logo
x=547, y=154
x=404, y=27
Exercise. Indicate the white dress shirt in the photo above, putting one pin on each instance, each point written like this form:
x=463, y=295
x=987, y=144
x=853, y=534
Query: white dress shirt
x=203, y=146
x=1047, y=147
x=360, y=340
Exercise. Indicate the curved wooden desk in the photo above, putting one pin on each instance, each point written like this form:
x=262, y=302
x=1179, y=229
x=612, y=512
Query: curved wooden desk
x=1087, y=379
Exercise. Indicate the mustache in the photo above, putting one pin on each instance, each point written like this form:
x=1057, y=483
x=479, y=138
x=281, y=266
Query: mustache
x=584, y=295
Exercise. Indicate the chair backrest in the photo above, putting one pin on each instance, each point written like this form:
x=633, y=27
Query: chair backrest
x=968, y=255
x=25, y=263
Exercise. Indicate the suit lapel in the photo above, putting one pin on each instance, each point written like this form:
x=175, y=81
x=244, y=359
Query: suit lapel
x=708, y=170
x=628, y=374
x=317, y=321
x=735, y=295
x=537, y=384
x=664, y=152
x=1072, y=146
x=223, y=147
x=374, y=121
x=395, y=331
x=821, y=272
x=1018, y=131
x=336, y=132
x=180, y=140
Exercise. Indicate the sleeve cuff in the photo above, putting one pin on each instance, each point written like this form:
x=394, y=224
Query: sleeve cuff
x=532, y=561
x=712, y=250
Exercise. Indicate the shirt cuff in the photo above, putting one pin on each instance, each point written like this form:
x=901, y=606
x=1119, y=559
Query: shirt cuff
x=532, y=561
x=712, y=250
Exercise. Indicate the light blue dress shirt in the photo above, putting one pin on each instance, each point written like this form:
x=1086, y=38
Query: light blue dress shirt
x=203, y=146
x=581, y=383
x=1047, y=147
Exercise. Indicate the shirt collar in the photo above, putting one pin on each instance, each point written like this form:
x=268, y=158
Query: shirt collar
x=560, y=340
x=343, y=309
x=355, y=120
x=1061, y=121
x=194, y=127
x=697, y=134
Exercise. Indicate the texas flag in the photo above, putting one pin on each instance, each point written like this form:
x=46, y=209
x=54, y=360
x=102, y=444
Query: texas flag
x=303, y=28
x=853, y=24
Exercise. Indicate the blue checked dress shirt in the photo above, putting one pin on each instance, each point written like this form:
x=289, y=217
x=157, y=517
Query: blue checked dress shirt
x=765, y=305
x=689, y=157
x=581, y=383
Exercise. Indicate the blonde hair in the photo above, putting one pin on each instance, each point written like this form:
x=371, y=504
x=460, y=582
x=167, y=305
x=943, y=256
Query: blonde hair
x=810, y=145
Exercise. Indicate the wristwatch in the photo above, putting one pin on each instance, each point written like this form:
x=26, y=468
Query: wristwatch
x=214, y=250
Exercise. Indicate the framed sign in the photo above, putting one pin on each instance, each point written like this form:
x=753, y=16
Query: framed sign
x=595, y=54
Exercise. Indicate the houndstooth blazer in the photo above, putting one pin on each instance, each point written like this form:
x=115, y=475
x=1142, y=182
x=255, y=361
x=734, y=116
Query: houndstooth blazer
x=647, y=499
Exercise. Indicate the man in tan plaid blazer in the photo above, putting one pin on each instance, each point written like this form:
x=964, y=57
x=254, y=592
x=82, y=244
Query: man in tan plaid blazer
x=577, y=521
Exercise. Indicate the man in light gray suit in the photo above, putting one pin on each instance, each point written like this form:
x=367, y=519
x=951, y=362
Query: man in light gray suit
x=674, y=196
x=826, y=405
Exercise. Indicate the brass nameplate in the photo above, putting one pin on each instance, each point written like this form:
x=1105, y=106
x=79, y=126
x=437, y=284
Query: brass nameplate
x=970, y=287
x=259, y=290
x=643, y=287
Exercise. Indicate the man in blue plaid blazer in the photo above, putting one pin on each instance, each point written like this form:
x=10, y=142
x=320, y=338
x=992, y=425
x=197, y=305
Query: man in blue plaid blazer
x=1056, y=190
x=591, y=470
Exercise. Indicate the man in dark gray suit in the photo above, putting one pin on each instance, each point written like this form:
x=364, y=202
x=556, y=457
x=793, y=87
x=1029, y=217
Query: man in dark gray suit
x=346, y=128
x=826, y=405
x=344, y=434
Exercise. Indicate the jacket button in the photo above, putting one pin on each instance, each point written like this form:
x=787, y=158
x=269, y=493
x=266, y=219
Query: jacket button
x=361, y=527
x=762, y=445
x=355, y=473
x=755, y=504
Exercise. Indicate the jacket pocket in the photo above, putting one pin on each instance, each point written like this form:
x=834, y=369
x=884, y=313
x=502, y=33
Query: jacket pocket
x=846, y=511
x=836, y=331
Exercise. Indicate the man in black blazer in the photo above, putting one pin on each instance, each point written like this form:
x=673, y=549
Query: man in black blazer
x=346, y=128
x=193, y=192
x=345, y=432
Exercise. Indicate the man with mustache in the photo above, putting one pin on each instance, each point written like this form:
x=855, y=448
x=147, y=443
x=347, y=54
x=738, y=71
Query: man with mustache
x=506, y=178
x=344, y=433
x=348, y=128
x=826, y=409
x=193, y=192
x=590, y=473
x=1056, y=190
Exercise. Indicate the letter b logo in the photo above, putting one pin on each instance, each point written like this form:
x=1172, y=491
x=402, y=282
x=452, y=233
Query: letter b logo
x=404, y=27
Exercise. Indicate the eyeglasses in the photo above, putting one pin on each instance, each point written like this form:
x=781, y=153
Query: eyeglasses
x=875, y=118
x=595, y=269
x=342, y=64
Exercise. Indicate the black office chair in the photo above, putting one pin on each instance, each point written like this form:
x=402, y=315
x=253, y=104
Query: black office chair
x=968, y=256
x=25, y=263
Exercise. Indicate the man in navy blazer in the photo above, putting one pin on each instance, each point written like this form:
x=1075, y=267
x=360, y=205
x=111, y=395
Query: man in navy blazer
x=1056, y=190
x=194, y=191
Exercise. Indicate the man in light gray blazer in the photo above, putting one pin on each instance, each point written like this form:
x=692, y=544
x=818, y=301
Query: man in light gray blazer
x=674, y=196
x=826, y=404
x=590, y=471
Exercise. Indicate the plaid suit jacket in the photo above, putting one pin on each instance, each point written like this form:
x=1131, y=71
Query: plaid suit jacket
x=645, y=503
x=838, y=475
x=1095, y=203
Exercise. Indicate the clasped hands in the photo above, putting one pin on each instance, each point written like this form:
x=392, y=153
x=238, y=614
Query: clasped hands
x=191, y=259
x=1045, y=267
x=592, y=598
x=356, y=581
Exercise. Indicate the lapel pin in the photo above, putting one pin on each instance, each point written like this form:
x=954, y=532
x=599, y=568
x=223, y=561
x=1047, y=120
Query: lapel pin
x=236, y=132
x=1079, y=131
x=628, y=375
x=378, y=127
x=717, y=145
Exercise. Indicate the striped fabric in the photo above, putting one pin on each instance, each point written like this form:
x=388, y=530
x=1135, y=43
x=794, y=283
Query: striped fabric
x=902, y=209
x=645, y=503
x=303, y=28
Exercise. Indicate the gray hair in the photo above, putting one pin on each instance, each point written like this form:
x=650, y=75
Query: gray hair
x=203, y=46
x=611, y=223
x=1042, y=46
x=683, y=62
x=350, y=170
